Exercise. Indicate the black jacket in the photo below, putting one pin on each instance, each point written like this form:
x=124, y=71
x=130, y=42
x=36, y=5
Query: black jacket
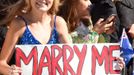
x=125, y=10
x=103, y=9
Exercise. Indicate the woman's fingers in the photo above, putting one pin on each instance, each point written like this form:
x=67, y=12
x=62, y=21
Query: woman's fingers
x=100, y=21
x=14, y=70
x=102, y=26
x=111, y=18
x=120, y=66
x=111, y=30
x=108, y=28
x=109, y=25
x=121, y=63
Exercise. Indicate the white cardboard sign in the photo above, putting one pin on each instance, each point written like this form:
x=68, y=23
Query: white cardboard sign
x=68, y=59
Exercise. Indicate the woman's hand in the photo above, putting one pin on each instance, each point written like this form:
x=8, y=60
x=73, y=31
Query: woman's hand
x=111, y=28
x=106, y=26
x=99, y=27
x=14, y=70
x=5, y=69
x=120, y=63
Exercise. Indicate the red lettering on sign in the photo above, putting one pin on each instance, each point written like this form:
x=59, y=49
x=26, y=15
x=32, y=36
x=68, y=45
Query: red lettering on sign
x=100, y=58
x=81, y=55
x=21, y=56
x=113, y=48
x=66, y=60
x=45, y=54
x=55, y=60
x=65, y=54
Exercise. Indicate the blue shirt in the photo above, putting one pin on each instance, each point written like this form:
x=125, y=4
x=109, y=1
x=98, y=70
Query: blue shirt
x=28, y=38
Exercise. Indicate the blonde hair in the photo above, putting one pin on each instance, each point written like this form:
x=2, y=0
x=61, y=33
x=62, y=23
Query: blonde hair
x=20, y=7
x=54, y=7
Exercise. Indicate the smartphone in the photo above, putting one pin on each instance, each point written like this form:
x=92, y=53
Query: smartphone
x=111, y=18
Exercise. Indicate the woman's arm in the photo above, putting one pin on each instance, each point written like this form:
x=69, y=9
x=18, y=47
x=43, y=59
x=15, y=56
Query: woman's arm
x=62, y=29
x=11, y=39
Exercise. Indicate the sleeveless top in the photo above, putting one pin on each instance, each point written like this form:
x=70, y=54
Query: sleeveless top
x=28, y=38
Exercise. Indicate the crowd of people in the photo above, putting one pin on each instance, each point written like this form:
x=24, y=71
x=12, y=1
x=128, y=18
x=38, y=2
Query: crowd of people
x=64, y=21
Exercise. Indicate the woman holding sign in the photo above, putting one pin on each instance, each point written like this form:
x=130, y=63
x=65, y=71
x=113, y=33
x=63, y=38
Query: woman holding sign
x=31, y=22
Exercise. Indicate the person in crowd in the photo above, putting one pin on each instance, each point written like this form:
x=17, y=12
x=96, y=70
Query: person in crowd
x=31, y=22
x=125, y=10
x=74, y=12
x=105, y=9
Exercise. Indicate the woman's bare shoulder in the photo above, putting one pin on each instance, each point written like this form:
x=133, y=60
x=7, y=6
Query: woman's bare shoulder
x=60, y=21
x=17, y=25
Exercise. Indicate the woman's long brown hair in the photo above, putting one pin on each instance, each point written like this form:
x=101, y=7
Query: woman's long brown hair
x=11, y=10
x=68, y=10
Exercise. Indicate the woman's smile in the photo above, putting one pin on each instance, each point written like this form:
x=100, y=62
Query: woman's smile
x=42, y=4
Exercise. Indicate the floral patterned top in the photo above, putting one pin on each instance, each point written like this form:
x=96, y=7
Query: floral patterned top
x=83, y=34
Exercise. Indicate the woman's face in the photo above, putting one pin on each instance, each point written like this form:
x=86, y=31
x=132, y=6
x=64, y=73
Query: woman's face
x=43, y=5
x=83, y=8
